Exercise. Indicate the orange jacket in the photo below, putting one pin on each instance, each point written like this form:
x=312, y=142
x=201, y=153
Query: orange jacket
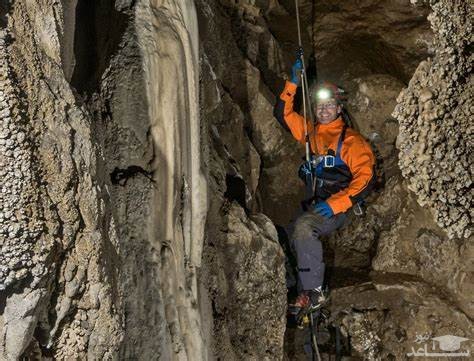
x=355, y=151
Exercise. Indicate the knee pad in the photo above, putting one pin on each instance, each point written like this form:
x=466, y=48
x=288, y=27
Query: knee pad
x=302, y=233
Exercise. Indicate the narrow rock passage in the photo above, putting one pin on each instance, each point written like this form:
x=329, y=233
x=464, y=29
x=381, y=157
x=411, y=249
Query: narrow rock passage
x=145, y=183
x=396, y=245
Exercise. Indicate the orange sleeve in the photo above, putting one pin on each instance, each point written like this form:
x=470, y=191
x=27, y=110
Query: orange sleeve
x=292, y=119
x=360, y=159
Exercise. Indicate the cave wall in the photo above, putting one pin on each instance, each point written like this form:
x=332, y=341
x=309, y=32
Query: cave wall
x=435, y=116
x=102, y=239
x=53, y=269
x=440, y=250
x=405, y=246
x=411, y=241
x=243, y=262
x=98, y=254
x=247, y=62
x=132, y=134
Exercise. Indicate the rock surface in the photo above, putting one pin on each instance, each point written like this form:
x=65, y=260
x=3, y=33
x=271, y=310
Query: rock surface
x=142, y=173
x=385, y=316
x=411, y=240
x=104, y=199
x=398, y=237
x=56, y=160
x=435, y=114
x=246, y=61
x=243, y=264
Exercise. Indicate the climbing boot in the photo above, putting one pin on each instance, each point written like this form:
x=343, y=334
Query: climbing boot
x=307, y=302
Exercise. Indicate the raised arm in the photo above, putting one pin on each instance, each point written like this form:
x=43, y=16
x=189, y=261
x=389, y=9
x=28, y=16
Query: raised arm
x=285, y=114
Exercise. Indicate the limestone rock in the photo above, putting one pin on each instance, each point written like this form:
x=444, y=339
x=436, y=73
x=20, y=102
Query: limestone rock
x=110, y=163
x=384, y=316
x=435, y=116
x=248, y=287
x=246, y=62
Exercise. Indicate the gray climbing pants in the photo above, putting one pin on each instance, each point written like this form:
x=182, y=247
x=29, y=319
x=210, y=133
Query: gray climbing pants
x=304, y=238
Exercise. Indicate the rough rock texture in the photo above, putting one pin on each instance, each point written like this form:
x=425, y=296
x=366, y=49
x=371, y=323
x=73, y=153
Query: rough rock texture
x=246, y=284
x=360, y=38
x=104, y=199
x=105, y=144
x=60, y=240
x=243, y=265
x=68, y=291
x=19, y=208
x=435, y=114
x=371, y=103
x=396, y=236
x=412, y=243
x=384, y=316
x=247, y=61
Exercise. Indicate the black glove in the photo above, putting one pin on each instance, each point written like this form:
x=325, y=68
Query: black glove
x=305, y=171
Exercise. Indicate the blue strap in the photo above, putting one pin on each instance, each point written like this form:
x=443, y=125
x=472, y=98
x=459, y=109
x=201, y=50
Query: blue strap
x=341, y=140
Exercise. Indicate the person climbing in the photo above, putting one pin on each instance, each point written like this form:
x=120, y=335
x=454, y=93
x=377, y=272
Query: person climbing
x=343, y=169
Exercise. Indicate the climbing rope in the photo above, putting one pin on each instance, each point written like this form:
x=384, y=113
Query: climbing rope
x=306, y=99
x=304, y=83
x=314, y=343
x=306, y=135
x=307, y=109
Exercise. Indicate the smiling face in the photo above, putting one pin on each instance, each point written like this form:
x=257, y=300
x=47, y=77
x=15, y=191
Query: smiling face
x=327, y=110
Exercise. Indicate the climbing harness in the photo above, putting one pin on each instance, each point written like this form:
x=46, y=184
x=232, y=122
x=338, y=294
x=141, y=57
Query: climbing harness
x=357, y=209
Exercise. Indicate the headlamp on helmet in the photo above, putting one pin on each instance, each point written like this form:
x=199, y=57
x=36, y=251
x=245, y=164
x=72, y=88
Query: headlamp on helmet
x=326, y=90
x=323, y=94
